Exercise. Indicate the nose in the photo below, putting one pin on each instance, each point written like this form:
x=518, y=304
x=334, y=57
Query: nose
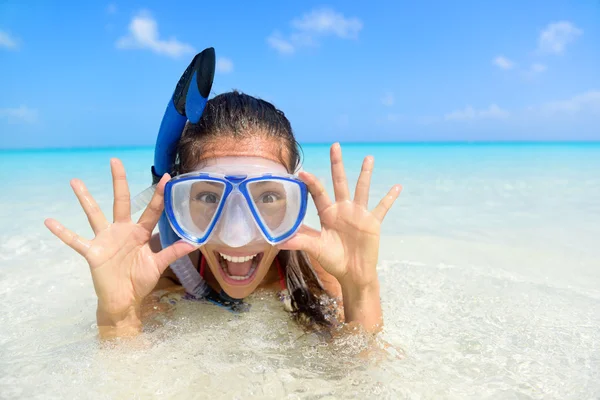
x=237, y=228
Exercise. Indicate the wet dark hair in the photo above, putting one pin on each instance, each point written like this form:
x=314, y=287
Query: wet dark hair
x=238, y=116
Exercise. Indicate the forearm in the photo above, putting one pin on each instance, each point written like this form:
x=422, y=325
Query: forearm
x=363, y=306
x=123, y=324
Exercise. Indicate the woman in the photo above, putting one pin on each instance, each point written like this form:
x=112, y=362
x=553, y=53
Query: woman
x=237, y=136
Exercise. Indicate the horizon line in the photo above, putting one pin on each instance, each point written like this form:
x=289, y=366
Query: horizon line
x=343, y=143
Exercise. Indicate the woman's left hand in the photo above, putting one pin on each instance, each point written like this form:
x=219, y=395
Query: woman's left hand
x=347, y=246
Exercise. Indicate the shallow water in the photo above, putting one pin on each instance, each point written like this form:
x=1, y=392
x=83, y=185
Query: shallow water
x=490, y=278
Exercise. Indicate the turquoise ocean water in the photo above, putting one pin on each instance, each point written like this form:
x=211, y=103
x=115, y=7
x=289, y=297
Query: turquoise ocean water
x=490, y=271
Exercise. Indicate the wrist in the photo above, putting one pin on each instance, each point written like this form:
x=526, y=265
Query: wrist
x=362, y=304
x=125, y=323
x=365, y=287
x=359, y=293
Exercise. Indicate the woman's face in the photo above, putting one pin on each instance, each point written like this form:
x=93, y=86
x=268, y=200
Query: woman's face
x=240, y=269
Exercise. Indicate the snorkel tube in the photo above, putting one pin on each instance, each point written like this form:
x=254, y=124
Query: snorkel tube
x=187, y=103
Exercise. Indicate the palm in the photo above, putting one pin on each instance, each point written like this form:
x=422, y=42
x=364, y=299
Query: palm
x=347, y=245
x=121, y=253
x=123, y=266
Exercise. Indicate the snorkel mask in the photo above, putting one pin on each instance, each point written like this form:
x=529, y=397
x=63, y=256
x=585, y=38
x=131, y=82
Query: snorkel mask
x=229, y=201
x=236, y=202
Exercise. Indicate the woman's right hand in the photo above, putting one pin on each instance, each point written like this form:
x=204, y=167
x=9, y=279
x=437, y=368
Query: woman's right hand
x=124, y=268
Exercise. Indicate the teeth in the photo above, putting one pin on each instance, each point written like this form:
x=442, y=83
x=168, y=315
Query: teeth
x=241, y=259
x=237, y=259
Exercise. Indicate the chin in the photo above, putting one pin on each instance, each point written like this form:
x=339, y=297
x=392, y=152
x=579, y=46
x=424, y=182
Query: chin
x=240, y=270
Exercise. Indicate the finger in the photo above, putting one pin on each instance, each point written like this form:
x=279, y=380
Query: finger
x=69, y=238
x=340, y=183
x=93, y=212
x=361, y=194
x=386, y=203
x=304, y=242
x=121, y=205
x=168, y=255
x=317, y=191
x=152, y=213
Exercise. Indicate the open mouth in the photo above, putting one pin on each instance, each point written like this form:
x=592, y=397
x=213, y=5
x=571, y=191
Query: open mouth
x=238, y=270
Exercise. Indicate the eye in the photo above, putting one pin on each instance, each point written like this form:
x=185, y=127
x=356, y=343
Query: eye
x=207, y=197
x=269, y=197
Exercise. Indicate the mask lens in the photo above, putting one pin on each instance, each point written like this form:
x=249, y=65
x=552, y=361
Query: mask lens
x=196, y=203
x=277, y=203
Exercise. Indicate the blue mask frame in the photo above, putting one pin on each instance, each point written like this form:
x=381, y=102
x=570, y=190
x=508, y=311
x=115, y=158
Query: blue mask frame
x=232, y=183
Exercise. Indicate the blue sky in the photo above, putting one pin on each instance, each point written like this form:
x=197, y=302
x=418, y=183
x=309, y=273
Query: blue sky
x=76, y=74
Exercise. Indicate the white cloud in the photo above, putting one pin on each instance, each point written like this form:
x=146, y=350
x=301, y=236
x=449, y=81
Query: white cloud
x=388, y=99
x=111, y=8
x=143, y=34
x=503, y=62
x=7, y=41
x=534, y=71
x=325, y=21
x=19, y=114
x=581, y=107
x=493, y=111
x=303, y=39
x=224, y=65
x=538, y=68
x=317, y=23
x=585, y=102
x=280, y=44
x=469, y=114
x=556, y=36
